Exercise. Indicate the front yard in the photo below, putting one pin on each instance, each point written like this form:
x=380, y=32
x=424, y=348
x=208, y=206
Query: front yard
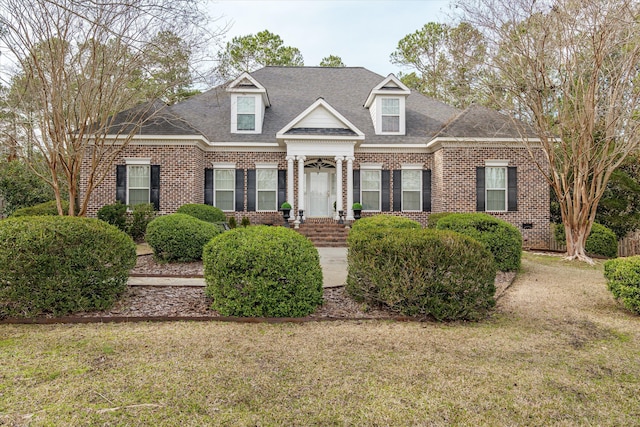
x=557, y=351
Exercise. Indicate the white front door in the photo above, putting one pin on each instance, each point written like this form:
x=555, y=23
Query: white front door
x=320, y=193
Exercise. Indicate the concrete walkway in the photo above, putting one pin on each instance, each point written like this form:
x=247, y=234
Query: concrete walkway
x=332, y=260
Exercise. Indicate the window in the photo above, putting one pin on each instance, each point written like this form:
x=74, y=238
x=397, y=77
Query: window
x=138, y=184
x=411, y=190
x=224, y=185
x=246, y=113
x=496, y=188
x=267, y=189
x=390, y=115
x=370, y=180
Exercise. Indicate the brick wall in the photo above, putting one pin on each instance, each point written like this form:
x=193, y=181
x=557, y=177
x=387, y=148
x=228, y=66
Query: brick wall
x=453, y=181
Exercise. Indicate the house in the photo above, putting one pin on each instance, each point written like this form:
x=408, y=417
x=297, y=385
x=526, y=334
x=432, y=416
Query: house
x=316, y=137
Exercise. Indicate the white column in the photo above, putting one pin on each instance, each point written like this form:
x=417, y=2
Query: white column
x=301, y=160
x=290, y=187
x=350, y=188
x=339, y=206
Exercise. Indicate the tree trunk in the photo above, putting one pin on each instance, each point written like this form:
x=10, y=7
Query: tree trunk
x=576, y=241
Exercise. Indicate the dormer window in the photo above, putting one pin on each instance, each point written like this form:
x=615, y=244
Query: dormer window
x=390, y=115
x=386, y=104
x=246, y=113
x=248, y=103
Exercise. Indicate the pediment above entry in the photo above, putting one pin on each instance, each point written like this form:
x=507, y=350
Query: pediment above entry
x=320, y=130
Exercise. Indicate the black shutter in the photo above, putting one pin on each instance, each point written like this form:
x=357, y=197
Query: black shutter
x=239, y=190
x=251, y=190
x=386, y=190
x=282, y=188
x=208, y=186
x=356, y=187
x=480, y=187
x=426, y=190
x=121, y=183
x=397, y=190
x=512, y=188
x=154, y=197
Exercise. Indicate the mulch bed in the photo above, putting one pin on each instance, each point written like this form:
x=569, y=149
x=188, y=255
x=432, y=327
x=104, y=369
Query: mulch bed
x=186, y=302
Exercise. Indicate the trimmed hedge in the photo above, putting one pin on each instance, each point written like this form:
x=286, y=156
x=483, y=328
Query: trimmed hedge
x=381, y=223
x=263, y=272
x=433, y=219
x=623, y=280
x=179, y=237
x=114, y=214
x=206, y=213
x=60, y=265
x=426, y=272
x=501, y=238
x=43, y=209
x=601, y=241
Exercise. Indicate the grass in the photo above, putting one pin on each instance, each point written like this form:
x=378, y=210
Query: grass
x=558, y=351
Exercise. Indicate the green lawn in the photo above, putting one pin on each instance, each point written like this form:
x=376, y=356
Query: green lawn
x=558, y=351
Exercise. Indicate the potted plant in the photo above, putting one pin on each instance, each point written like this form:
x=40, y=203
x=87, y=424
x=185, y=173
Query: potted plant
x=357, y=210
x=286, y=211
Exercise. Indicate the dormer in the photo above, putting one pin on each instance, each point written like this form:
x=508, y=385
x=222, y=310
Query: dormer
x=249, y=100
x=386, y=104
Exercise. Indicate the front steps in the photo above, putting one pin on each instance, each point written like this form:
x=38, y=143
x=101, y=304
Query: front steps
x=325, y=234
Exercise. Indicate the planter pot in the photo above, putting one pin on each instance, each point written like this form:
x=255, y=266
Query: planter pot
x=356, y=213
x=286, y=215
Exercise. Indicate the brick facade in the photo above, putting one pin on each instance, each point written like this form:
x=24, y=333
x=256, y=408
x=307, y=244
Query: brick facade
x=453, y=180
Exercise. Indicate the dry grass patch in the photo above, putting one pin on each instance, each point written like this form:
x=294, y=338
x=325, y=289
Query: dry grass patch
x=558, y=351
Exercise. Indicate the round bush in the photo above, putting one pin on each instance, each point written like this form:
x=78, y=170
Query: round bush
x=379, y=224
x=47, y=208
x=435, y=217
x=179, y=237
x=623, y=280
x=501, y=238
x=203, y=212
x=60, y=265
x=263, y=271
x=601, y=241
x=426, y=272
x=114, y=214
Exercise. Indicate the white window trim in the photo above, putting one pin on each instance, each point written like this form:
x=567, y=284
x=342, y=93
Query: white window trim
x=224, y=166
x=145, y=161
x=401, y=115
x=372, y=167
x=411, y=168
x=501, y=165
x=258, y=112
x=265, y=166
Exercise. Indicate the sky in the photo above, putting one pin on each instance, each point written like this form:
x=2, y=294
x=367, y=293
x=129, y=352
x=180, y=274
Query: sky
x=363, y=33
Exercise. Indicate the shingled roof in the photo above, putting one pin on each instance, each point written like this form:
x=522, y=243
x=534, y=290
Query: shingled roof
x=481, y=122
x=291, y=90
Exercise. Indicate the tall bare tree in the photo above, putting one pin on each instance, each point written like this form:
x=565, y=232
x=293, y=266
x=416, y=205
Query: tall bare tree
x=570, y=68
x=77, y=63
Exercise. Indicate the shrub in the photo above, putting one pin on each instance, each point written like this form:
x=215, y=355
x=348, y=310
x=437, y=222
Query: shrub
x=245, y=222
x=140, y=217
x=263, y=271
x=179, y=237
x=432, y=222
x=422, y=272
x=601, y=241
x=287, y=205
x=114, y=214
x=623, y=280
x=501, y=238
x=232, y=222
x=60, y=265
x=381, y=223
x=206, y=213
x=21, y=187
x=43, y=209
